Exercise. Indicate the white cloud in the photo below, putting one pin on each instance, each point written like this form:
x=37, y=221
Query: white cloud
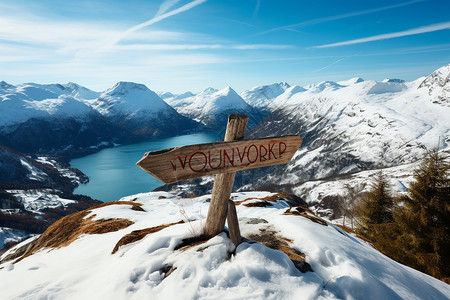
x=49, y=33
x=163, y=47
x=419, y=30
x=156, y=19
x=262, y=47
x=338, y=17
x=331, y=64
x=165, y=6
x=255, y=12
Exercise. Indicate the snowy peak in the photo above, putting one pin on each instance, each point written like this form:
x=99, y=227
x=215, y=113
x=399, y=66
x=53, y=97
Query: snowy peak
x=125, y=98
x=294, y=89
x=438, y=85
x=4, y=85
x=351, y=81
x=211, y=107
x=284, y=97
x=261, y=96
x=227, y=91
x=35, y=92
x=80, y=92
x=226, y=98
x=165, y=95
x=63, y=107
x=324, y=85
x=184, y=95
x=209, y=91
x=123, y=88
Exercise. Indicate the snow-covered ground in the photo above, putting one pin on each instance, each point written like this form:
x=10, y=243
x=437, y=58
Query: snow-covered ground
x=35, y=200
x=63, y=170
x=9, y=235
x=344, y=267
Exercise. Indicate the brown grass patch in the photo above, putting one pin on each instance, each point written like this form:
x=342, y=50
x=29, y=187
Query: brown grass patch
x=258, y=204
x=66, y=230
x=345, y=228
x=303, y=211
x=286, y=196
x=446, y=280
x=272, y=240
x=138, y=235
x=191, y=242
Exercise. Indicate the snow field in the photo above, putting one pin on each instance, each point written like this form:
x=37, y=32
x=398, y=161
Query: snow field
x=344, y=266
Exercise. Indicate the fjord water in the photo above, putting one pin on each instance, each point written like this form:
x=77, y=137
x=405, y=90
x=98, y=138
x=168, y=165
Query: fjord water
x=113, y=173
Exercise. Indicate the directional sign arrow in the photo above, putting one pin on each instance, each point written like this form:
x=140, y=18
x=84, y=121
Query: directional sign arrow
x=179, y=163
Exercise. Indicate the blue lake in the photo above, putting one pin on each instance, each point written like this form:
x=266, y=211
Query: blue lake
x=113, y=173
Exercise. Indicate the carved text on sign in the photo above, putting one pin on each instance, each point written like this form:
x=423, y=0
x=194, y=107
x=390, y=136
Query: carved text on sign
x=179, y=163
x=218, y=158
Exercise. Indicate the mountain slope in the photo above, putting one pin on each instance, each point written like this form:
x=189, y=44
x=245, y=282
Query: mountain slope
x=135, y=249
x=354, y=128
x=261, y=96
x=438, y=85
x=212, y=107
x=35, y=191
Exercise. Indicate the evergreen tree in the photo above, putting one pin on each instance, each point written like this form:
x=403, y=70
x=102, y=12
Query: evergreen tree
x=423, y=219
x=375, y=209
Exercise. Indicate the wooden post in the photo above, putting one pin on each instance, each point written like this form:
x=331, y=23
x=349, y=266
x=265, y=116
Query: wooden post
x=233, y=224
x=223, y=185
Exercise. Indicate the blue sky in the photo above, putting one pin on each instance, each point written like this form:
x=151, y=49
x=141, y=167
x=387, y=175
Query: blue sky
x=177, y=45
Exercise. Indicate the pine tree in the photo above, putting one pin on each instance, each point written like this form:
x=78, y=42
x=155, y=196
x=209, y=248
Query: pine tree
x=423, y=219
x=375, y=210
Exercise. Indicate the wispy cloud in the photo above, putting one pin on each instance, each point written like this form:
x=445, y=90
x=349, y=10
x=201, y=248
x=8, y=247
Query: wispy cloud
x=165, y=6
x=168, y=47
x=338, y=17
x=329, y=65
x=414, y=31
x=152, y=21
x=255, y=12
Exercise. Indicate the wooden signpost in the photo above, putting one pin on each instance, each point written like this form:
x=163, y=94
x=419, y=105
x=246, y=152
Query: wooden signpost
x=224, y=159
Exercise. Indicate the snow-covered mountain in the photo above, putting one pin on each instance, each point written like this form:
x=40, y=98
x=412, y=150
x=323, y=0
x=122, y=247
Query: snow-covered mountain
x=128, y=98
x=50, y=119
x=438, y=86
x=176, y=100
x=145, y=247
x=141, y=111
x=71, y=120
x=212, y=107
x=351, y=128
x=350, y=81
x=261, y=96
x=50, y=91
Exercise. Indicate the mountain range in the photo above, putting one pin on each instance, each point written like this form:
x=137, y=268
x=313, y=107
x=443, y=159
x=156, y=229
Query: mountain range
x=349, y=129
x=72, y=120
x=359, y=126
x=346, y=126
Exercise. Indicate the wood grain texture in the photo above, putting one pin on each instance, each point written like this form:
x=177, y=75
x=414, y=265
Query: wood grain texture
x=186, y=162
x=233, y=224
x=223, y=185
